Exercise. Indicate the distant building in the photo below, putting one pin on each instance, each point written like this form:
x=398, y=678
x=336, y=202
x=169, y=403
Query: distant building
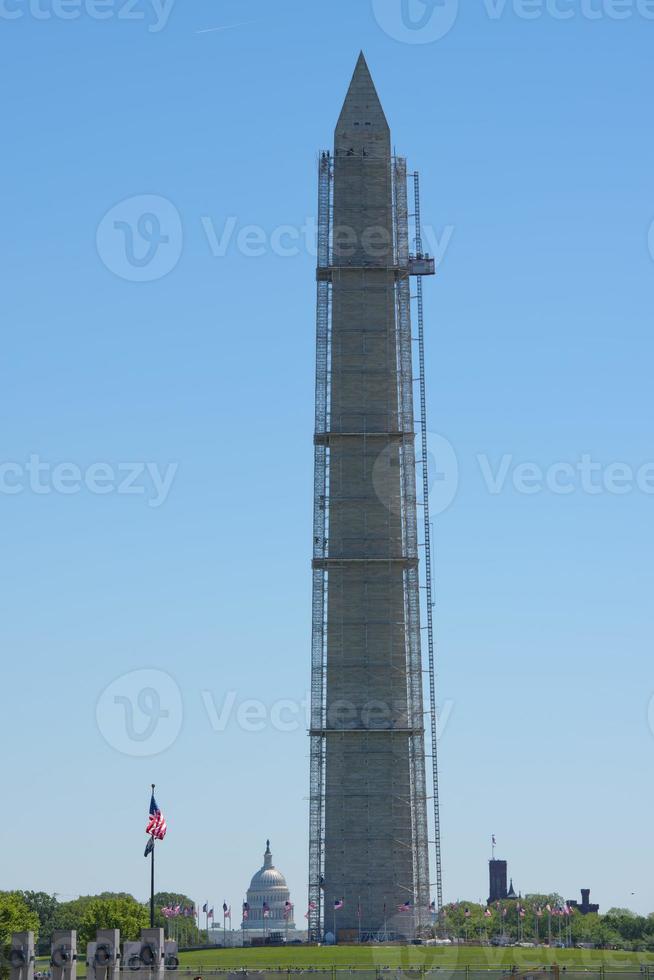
x=267, y=900
x=497, y=873
x=511, y=892
x=585, y=905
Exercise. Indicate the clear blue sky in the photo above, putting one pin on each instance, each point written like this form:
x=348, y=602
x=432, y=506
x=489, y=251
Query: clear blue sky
x=534, y=140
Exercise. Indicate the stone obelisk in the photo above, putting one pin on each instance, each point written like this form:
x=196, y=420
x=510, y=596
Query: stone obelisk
x=373, y=731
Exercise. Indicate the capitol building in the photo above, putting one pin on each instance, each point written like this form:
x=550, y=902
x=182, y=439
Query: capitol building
x=268, y=891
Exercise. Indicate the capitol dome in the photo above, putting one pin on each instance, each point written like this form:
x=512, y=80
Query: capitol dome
x=268, y=906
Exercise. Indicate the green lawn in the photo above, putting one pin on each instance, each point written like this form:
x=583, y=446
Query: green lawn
x=453, y=958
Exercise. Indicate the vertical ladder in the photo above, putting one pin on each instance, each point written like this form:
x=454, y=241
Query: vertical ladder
x=428, y=560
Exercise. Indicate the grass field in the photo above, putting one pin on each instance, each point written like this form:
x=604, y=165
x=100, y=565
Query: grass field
x=412, y=957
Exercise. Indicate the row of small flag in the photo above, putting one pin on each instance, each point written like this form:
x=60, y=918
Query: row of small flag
x=339, y=903
x=287, y=913
x=560, y=910
x=173, y=911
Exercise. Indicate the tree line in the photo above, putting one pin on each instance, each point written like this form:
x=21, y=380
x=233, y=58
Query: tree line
x=528, y=919
x=21, y=911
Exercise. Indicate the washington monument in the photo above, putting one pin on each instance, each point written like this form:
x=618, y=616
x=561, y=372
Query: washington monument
x=369, y=864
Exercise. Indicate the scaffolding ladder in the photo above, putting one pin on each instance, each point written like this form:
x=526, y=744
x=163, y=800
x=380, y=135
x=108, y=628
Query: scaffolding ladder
x=429, y=586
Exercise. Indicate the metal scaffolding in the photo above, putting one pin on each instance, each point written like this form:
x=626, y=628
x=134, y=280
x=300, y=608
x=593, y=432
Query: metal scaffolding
x=410, y=533
x=399, y=429
x=428, y=570
x=320, y=551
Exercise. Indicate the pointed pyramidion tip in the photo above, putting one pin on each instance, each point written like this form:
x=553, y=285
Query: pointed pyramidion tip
x=362, y=112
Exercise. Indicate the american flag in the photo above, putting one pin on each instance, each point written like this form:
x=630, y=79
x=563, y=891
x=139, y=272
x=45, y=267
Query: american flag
x=266, y=910
x=246, y=911
x=205, y=908
x=312, y=908
x=404, y=907
x=339, y=904
x=522, y=913
x=432, y=906
x=288, y=908
x=467, y=913
x=539, y=912
x=156, y=824
x=210, y=913
x=488, y=913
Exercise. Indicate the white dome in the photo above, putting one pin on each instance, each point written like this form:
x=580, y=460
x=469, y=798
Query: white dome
x=268, y=891
x=268, y=878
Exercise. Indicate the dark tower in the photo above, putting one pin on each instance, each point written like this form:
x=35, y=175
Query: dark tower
x=497, y=874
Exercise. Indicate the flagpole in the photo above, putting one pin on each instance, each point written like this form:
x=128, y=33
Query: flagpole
x=152, y=877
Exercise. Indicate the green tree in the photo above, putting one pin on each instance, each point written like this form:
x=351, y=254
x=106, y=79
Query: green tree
x=45, y=907
x=123, y=913
x=15, y=916
x=68, y=915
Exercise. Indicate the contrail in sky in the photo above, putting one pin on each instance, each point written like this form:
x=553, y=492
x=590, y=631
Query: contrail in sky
x=225, y=27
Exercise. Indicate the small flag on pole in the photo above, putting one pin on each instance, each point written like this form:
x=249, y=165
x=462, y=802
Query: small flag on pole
x=246, y=911
x=266, y=910
x=339, y=904
x=404, y=907
x=488, y=913
x=312, y=908
x=288, y=908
